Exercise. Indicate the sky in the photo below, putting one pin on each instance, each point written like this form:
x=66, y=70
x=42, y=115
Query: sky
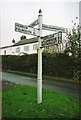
x=25, y=12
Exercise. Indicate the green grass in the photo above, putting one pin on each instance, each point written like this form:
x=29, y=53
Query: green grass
x=21, y=102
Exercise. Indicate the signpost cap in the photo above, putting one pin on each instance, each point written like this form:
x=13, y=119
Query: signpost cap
x=40, y=11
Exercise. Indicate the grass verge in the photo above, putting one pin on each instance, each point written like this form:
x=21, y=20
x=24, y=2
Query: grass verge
x=21, y=102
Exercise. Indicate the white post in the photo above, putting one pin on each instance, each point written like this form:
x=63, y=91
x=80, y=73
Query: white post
x=39, y=77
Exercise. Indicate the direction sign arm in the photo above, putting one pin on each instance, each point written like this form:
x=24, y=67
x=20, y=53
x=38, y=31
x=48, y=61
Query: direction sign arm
x=36, y=22
x=26, y=29
x=53, y=28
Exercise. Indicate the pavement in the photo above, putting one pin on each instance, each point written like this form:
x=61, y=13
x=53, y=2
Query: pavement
x=69, y=89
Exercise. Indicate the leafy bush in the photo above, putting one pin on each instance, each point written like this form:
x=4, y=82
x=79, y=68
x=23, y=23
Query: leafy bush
x=58, y=65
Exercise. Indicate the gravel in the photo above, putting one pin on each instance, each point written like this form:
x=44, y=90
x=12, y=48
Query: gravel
x=7, y=84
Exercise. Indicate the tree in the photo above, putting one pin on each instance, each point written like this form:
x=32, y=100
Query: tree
x=73, y=44
x=73, y=48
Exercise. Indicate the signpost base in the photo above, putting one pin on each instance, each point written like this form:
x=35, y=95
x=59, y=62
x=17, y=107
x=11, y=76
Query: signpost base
x=39, y=91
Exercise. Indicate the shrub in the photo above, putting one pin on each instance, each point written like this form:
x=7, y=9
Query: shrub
x=58, y=65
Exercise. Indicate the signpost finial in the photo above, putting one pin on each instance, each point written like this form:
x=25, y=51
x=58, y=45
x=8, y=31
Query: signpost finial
x=40, y=11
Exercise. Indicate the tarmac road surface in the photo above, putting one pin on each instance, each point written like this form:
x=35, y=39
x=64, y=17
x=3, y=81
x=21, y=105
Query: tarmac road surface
x=69, y=89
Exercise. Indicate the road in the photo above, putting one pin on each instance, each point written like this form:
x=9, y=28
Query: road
x=69, y=89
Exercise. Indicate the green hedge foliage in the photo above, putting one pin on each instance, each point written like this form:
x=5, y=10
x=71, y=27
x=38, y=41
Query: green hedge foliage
x=57, y=65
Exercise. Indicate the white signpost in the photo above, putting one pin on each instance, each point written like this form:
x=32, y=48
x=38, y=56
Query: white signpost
x=38, y=32
x=39, y=78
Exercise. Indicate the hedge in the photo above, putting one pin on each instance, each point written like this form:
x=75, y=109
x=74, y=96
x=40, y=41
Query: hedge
x=57, y=65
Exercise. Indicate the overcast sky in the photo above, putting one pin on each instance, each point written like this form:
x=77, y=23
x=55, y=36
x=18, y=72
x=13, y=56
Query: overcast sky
x=25, y=12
